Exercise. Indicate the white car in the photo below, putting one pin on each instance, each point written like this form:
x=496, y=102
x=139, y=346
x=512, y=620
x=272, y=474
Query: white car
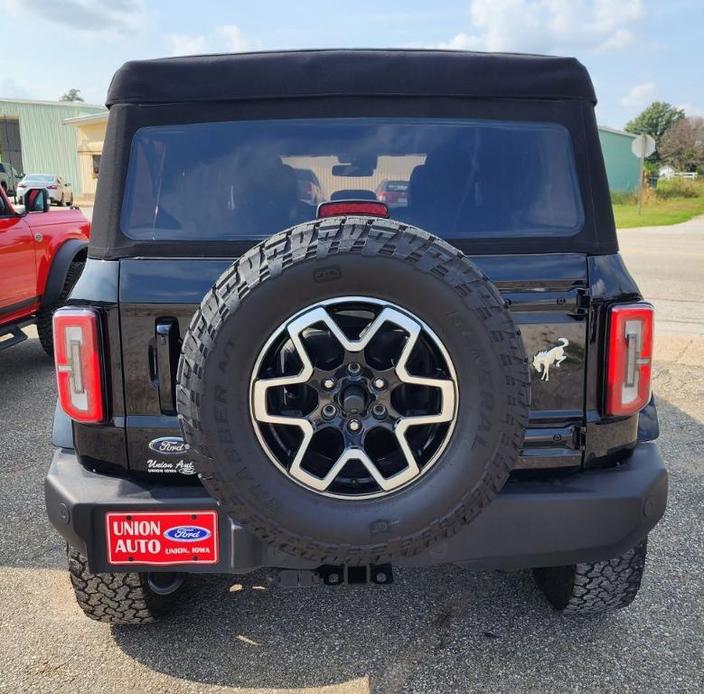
x=59, y=191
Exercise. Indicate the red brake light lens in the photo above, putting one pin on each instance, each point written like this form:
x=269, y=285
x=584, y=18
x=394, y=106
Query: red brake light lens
x=342, y=208
x=78, y=364
x=629, y=358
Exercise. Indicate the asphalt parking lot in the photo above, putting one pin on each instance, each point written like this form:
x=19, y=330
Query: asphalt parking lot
x=443, y=630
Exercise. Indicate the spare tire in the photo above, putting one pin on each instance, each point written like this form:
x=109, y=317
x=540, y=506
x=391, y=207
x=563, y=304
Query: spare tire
x=353, y=390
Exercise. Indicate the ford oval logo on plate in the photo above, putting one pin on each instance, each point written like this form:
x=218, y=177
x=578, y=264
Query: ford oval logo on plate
x=187, y=533
x=169, y=445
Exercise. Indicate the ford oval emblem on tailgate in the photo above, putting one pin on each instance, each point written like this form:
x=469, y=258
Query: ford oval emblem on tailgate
x=187, y=533
x=169, y=445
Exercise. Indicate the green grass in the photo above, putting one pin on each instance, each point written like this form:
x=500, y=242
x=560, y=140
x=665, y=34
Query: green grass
x=658, y=212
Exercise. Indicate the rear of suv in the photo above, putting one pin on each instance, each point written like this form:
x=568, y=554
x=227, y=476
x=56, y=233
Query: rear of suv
x=248, y=380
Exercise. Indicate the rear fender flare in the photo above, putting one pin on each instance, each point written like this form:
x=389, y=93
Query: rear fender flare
x=69, y=251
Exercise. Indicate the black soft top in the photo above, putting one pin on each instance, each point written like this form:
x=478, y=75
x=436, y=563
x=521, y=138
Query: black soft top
x=350, y=84
x=315, y=73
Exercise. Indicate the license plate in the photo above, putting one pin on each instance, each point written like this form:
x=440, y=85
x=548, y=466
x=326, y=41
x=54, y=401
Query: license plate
x=162, y=538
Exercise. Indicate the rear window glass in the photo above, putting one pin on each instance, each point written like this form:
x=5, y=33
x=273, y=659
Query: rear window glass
x=38, y=178
x=459, y=178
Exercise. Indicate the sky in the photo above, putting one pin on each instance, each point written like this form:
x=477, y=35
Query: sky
x=637, y=51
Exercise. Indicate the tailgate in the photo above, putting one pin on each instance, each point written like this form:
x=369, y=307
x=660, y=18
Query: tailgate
x=548, y=296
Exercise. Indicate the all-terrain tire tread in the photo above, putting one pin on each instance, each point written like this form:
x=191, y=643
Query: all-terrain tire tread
x=115, y=598
x=595, y=587
x=45, y=315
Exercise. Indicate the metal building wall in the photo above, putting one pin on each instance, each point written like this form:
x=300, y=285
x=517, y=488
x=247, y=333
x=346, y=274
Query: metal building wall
x=48, y=146
x=622, y=168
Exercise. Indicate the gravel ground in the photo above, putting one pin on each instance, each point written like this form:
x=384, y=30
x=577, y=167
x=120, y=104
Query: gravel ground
x=441, y=630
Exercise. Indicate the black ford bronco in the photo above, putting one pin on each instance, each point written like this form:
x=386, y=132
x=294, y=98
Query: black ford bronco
x=457, y=373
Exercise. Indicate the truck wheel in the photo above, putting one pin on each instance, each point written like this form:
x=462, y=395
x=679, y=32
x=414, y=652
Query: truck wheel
x=594, y=587
x=45, y=314
x=353, y=391
x=122, y=598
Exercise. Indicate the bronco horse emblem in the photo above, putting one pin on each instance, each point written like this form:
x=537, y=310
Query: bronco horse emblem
x=554, y=356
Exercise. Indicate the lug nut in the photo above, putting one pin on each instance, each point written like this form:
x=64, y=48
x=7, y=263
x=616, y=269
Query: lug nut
x=329, y=411
x=379, y=411
x=379, y=383
x=329, y=383
x=354, y=425
x=354, y=368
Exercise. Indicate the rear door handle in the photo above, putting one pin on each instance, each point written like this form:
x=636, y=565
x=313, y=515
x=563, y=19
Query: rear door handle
x=166, y=358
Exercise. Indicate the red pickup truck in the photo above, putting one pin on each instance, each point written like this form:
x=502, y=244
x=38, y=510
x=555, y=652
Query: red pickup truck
x=42, y=255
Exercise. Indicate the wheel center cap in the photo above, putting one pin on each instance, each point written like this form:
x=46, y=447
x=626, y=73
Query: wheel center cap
x=353, y=399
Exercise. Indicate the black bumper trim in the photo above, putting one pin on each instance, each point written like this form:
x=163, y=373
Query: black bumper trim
x=588, y=516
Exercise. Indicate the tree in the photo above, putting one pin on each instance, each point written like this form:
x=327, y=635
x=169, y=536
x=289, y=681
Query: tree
x=682, y=146
x=655, y=120
x=72, y=95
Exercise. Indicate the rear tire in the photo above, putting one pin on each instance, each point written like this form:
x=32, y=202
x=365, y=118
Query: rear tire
x=117, y=598
x=594, y=587
x=45, y=314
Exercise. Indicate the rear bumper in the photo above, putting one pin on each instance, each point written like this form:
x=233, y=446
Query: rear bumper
x=589, y=516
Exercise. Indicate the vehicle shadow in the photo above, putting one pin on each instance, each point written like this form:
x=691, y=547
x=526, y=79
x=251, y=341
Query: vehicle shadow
x=26, y=361
x=249, y=634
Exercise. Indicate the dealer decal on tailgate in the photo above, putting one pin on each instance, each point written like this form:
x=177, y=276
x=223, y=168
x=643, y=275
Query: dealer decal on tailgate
x=162, y=538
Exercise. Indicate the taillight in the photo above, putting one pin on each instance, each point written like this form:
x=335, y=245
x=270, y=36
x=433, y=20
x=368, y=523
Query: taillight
x=366, y=208
x=78, y=364
x=53, y=186
x=629, y=358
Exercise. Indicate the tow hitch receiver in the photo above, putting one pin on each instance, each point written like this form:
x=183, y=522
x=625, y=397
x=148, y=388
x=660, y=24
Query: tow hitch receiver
x=333, y=575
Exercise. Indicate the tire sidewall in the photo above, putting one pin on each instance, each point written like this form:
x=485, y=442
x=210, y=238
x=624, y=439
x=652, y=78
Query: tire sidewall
x=241, y=475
